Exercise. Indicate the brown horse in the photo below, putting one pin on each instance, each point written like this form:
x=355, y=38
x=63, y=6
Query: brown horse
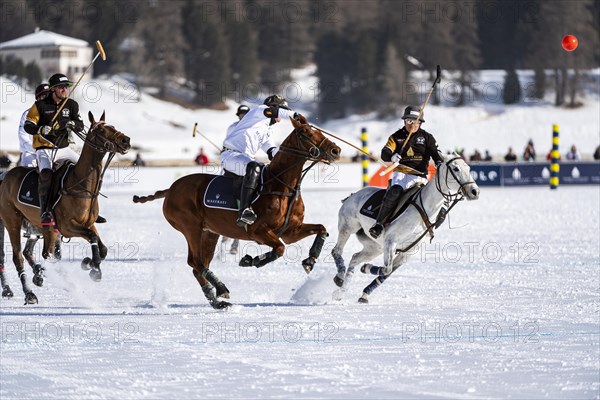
x=75, y=212
x=279, y=208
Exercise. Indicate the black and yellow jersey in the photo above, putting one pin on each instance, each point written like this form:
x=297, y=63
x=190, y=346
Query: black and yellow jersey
x=421, y=147
x=42, y=112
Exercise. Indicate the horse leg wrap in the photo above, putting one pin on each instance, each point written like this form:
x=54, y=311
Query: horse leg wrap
x=96, y=254
x=208, y=290
x=339, y=262
x=222, y=290
x=317, y=245
x=264, y=259
x=374, y=285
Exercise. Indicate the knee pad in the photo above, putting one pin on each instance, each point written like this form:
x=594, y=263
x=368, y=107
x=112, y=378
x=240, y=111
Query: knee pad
x=253, y=168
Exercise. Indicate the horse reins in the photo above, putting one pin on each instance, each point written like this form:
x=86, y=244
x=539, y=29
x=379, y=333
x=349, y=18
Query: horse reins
x=105, y=146
x=450, y=200
x=304, y=155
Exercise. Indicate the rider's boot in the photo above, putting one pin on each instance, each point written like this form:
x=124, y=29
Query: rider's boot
x=44, y=182
x=249, y=184
x=390, y=199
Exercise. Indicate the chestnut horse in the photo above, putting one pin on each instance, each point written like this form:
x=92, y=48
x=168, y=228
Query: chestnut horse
x=279, y=208
x=75, y=212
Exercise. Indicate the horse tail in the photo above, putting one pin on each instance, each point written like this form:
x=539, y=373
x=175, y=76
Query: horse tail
x=143, y=199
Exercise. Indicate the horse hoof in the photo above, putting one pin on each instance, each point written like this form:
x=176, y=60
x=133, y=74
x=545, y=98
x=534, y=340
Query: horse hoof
x=339, y=282
x=246, y=261
x=308, y=264
x=38, y=280
x=7, y=292
x=86, y=264
x=363, y=300
x=220, y=305
x=96, y=274
x=222, y=291
x=30, y=298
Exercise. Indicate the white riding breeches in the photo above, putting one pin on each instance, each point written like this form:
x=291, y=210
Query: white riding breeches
x=47, y=158
x=235, y=162
x=406, y=181
x=28, y=160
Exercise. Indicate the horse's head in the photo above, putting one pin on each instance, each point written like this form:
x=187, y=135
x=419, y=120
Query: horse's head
x=104, y=137
x=312, y=142
x=455, y=174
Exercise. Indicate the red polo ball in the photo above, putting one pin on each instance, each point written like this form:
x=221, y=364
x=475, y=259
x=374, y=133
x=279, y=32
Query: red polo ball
x=569, y=43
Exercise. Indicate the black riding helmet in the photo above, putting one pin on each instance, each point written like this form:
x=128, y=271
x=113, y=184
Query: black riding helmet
x=59, y=79
x=42, y=91
x=242, y=110
x=276, y=100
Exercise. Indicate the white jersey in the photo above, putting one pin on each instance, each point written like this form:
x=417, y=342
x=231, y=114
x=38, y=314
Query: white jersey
x=26, y=144
x=231, y=128
x=253, y=132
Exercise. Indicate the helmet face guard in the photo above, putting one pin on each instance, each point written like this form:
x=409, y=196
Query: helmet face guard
x=276, y=100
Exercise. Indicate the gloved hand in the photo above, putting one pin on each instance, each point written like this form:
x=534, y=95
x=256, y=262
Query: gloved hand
x=44, y=130
x=271, y=152
x=396, y=158
x=70, y=125
x=296, y=116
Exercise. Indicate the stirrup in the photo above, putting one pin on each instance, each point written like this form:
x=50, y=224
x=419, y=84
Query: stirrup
x=376, y=230
x=248, y=217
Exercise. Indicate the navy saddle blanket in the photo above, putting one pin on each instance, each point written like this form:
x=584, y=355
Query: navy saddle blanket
x=28, y=191
x=220, y=193
x=372, y=205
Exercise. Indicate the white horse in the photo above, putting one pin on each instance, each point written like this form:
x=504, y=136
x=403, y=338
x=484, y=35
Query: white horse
x=451, y=184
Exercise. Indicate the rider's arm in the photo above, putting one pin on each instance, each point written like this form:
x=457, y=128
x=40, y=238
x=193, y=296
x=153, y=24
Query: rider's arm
x=31, y=123
x=388, y=149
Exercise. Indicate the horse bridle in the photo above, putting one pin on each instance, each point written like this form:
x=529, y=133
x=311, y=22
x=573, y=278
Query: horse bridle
x=311, y=152
x=105, y=145
x=459, y=195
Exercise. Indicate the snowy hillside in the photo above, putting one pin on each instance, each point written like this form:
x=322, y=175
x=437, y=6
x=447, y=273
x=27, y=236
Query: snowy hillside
x=163, y=130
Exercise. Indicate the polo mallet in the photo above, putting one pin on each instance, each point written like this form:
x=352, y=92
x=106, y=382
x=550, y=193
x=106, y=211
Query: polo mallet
x=204, y=136
x=349, y=144
x=435, y=82
x=100, y=53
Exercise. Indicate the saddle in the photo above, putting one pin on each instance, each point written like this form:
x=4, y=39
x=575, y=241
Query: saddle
x=373, y=203
x=223, y=191
x=28, y=190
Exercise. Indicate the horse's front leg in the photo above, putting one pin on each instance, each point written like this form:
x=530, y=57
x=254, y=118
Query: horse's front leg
x=99, y=252
x=395, y=264
x=277, y=251
x=306, y=230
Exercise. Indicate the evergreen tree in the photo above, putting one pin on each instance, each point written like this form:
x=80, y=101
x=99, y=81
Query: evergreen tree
x=467, y=55
x=392, y=88
x=364, y=76
x=207, y=58
x=512, y=88
x=244, y=64
x=33, y=74
x=330, y=57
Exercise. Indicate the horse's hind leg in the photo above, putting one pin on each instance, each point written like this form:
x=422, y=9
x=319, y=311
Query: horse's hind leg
x=6, y=291
x=14, y=232
x=200, y=253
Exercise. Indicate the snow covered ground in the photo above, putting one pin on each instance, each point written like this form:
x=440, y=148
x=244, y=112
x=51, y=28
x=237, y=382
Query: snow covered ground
x=503, y=305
